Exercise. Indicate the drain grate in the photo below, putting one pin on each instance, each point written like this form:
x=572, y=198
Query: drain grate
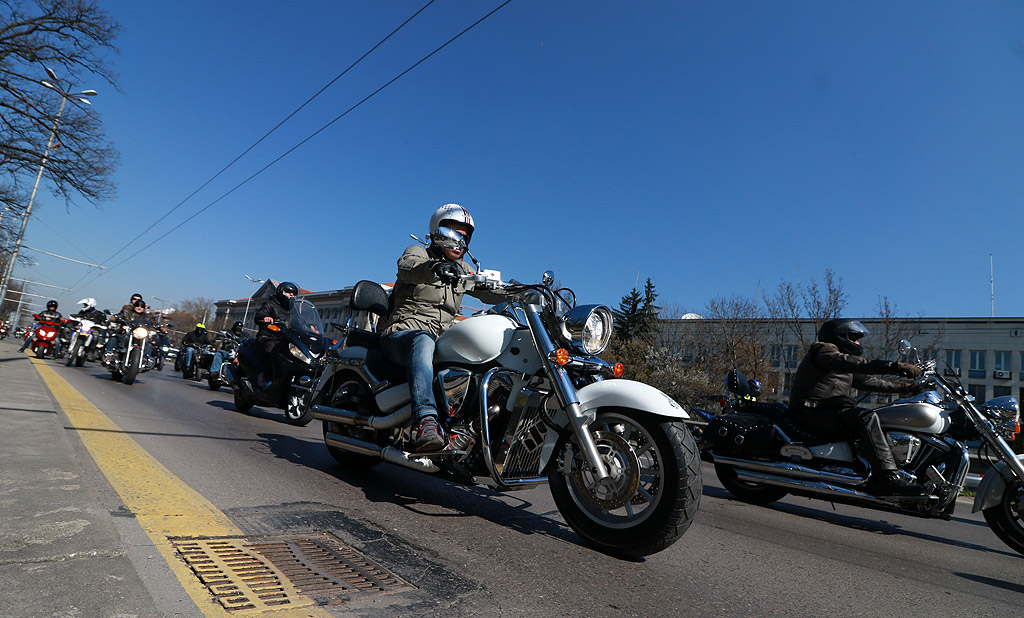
x=274, y=572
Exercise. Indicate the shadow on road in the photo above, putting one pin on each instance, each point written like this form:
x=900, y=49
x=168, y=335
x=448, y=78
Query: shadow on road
x=996, y=583
x=865, y=524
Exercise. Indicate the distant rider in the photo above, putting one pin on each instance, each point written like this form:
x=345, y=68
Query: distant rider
x=192, y=341
x=426, y=298
x=50, y=315
x=822, y=397
x=90, y=312
x=135, y=312
x=274, y=310
x=222, y=354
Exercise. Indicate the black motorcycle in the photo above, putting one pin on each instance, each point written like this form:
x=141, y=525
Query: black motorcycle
x=761, y=454
x=296, y=359
x=229, y=346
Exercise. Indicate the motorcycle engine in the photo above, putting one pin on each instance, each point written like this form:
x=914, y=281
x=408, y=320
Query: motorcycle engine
x=904, y=447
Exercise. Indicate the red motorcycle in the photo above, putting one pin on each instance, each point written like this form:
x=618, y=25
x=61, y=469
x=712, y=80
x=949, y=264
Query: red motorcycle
x=46, y=334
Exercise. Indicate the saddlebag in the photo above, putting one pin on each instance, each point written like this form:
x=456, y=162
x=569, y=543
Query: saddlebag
x=739, y=432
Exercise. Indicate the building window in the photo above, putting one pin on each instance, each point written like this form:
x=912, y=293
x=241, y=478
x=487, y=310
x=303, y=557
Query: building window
x=1002, y=362
x=791, y=355
x=978, y=390
x=977, y=367
x=775, y=355
x=953, y=358
x=1001, y=391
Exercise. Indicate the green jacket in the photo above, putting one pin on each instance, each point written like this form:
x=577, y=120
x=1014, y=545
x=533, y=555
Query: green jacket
x=421, y=302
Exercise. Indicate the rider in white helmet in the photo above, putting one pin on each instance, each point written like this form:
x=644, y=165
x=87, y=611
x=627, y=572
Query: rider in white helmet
x=89, y=312
x=425, y=300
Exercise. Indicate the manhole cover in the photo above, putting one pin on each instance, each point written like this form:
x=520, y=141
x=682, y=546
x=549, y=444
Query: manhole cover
x=274, y=572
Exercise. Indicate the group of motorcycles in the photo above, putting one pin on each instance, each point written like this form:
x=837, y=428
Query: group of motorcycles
x=526, y=400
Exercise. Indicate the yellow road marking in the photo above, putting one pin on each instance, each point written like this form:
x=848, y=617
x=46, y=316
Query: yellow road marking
x=163, y=505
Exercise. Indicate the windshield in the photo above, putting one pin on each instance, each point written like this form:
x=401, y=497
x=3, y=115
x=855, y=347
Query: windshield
x=304, y=321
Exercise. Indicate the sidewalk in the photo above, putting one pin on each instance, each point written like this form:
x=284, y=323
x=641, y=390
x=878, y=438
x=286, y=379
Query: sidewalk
x=60, y=554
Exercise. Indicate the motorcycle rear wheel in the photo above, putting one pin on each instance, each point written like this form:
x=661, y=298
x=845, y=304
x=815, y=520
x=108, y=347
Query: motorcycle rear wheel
x=214, y=382
x=754, y=493
x=655, y=488
x=1007, y=518
x=347, y=396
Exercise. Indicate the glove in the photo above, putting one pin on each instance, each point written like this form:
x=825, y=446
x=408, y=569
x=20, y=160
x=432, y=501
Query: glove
x=446, y=272
x=908, y=370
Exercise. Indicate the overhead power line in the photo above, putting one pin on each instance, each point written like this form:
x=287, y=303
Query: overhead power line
x=307, y=139
x=268, y=133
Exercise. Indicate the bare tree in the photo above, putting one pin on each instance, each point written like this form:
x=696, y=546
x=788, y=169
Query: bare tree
x=70, y=37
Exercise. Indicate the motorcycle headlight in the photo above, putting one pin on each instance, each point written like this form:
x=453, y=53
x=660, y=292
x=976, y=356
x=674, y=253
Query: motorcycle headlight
x=298, y=353
x=588, y=328
x=140, y=333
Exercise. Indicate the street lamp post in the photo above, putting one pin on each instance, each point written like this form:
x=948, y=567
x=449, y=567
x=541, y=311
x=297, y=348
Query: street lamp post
x=64, y=96
x=252, y=282
x=163, y=305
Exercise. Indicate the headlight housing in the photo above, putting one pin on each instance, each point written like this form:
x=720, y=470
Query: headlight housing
x=298, y=353
x=140, y=332
x=1004, y=412
x=588, y=328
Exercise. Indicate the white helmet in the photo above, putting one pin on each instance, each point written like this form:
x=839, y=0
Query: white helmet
x=90, y=303
x=451, y=212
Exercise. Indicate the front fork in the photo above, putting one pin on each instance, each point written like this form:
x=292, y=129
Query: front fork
x=566, y=393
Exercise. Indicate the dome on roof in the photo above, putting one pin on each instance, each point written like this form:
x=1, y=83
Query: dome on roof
x=691, y=316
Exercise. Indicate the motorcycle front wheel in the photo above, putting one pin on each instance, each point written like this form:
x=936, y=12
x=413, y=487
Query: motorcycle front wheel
x=653, y=490
x=134, y=364
x=242, y=403
x=1007, y=518
x=73, y=355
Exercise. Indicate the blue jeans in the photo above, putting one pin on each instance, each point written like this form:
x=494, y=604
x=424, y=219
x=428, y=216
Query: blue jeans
x=189, y=352
x=414, y=350
x=218, y=360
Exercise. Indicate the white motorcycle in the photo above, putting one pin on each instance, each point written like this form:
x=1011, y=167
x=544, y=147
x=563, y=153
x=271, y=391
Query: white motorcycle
x=525, y=401
x=81, y=339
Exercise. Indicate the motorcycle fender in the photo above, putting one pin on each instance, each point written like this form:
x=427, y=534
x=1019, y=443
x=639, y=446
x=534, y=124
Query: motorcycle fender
x=629, y=394
x=993, y=485
x=615, y=394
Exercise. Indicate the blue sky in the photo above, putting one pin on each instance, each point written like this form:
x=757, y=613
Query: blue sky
x=715, y=147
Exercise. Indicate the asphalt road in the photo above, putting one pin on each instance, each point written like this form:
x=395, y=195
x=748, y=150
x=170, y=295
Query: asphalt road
x=472, y=552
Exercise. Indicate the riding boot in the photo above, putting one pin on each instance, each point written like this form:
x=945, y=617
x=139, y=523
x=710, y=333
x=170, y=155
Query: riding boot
x=886, y=479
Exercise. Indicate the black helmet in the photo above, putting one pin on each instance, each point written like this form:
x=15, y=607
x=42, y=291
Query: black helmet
x=237, y=326
x=282, y=288
x=845, y=334
x=51, y=305
x=135, y=297
x=139, y=303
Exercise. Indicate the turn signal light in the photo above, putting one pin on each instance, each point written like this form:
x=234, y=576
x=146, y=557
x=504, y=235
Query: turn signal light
x=562, y=356
x=274, y=327
x=618, y=370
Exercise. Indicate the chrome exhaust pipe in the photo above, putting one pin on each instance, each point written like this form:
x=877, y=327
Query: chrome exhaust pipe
x=821, y=488
x=787, y=469
x=389, y=454
x=348, y=417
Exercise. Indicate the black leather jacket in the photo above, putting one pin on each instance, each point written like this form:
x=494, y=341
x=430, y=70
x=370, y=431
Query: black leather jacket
x=196, y=339
x=826, y=378
x=273, y=309
x=50, y=316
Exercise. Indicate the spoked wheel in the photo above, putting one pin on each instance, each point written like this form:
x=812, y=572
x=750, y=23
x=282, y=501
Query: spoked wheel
x=652, y=492
x=350, y=396
x=73, y=355
x=747, y=491
x=1007, y=518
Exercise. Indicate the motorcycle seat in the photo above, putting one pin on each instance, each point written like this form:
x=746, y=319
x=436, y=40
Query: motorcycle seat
x=802, y=435
x=364, y=338
x=383, y=369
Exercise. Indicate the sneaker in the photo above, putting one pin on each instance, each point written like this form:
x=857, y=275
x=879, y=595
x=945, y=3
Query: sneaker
x=428, y=436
